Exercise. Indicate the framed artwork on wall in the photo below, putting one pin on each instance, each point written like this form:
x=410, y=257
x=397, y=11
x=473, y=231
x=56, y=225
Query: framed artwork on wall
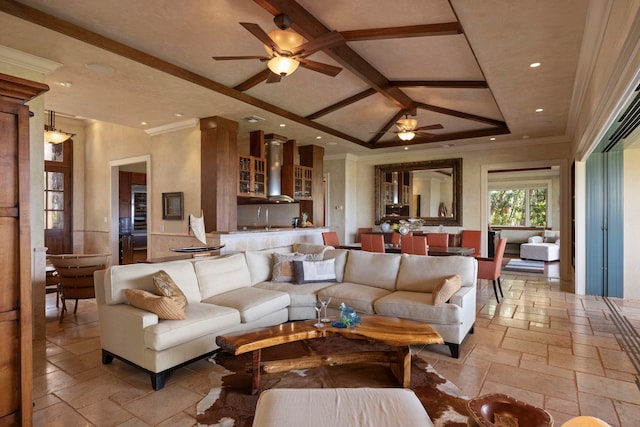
x=172, y=205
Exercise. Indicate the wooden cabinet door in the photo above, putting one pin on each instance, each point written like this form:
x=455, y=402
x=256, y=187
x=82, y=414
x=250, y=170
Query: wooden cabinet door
x=16, y=359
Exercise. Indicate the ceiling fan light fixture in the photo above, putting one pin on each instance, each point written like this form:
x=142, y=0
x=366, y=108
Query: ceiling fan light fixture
x=282, y=65
x=406, y=136
x=285, y=39
x=404, y=125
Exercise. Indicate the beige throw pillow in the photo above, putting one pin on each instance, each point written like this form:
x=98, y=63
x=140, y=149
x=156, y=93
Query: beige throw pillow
x=168, y=288
x=283, y=266
x=445, y=290
x=164, y=307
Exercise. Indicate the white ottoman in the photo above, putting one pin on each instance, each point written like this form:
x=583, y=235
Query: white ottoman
x=322, y=407
x=537, y=250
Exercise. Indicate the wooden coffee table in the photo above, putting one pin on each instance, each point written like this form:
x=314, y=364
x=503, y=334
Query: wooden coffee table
x=393, y=331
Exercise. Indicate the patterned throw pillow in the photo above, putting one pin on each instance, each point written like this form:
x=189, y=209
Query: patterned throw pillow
x=283, y=267
x=167, y=287
x=164, y=307
x=315, y=271
x=445, y=290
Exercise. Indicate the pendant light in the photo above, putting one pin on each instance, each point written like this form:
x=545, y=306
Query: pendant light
x=51, y=134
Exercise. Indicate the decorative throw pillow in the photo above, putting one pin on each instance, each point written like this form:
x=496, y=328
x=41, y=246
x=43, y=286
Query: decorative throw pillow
x=283, y=267
x=167, y=287
x=315, y=271
x=164, y=307
x=445, y=290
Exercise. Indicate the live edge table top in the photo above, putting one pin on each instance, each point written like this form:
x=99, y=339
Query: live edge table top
x=392, y=331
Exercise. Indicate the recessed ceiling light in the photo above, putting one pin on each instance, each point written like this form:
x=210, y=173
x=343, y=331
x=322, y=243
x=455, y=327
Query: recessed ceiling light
x=331, y=143
x=318, y=137
x=525, y=136
x=143, y=123
x=535, y=64
x=65, y=84
x=254, y=119
x=539, y=110
x=406, y=148
x=100, y=68
x=492, y=139
x=282, y=125
x=446, y=145
x=177, y=114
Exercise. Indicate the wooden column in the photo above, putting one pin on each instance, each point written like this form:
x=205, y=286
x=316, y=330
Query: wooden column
x=16, y=357
x=219, y=173
x=312, y=156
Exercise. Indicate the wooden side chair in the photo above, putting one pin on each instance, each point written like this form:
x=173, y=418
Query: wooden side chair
x=471, y=239
x=440, y=240
x=361, y=231
x=373, y=242
x=75, y=272
x=491, y=268
x=330, y=238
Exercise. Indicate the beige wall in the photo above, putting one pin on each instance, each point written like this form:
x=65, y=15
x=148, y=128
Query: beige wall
x=631, y=227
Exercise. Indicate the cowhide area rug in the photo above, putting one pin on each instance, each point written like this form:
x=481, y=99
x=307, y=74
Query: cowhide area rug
x=229, y=403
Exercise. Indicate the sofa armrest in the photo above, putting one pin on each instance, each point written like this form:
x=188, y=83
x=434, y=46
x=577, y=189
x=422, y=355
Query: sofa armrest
x=122, y=330
x=463, y=297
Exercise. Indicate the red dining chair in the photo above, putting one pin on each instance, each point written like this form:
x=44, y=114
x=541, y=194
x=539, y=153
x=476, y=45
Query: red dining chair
x=361, y=231
x=440, y=240
x=491, y=268
x=395, y=239
x=471, y=239
x=373, y=242
x=406, y=243
x=416, y=245
x=330, y=238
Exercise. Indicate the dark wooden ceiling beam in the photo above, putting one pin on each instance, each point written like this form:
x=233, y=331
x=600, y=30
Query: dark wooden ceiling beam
x=341, y=104
x=386, y=128
x=69, y=29
x=479, y=133
x=309, y=27
x=427, y=30
x=447, y=84
x=253, y=80
x=460, y=114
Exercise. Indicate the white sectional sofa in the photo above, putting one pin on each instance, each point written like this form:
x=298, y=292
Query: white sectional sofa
x=235, y=293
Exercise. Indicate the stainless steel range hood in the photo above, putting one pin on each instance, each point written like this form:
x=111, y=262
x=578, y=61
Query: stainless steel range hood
x=273, y=150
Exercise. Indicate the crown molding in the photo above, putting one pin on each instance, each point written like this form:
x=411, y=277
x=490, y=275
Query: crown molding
x=28, y=61
x=172, y=127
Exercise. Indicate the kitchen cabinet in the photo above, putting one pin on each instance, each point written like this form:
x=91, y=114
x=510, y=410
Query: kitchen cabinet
x=252, y=176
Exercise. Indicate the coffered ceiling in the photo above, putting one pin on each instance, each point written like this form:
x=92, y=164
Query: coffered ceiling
x=462, y=64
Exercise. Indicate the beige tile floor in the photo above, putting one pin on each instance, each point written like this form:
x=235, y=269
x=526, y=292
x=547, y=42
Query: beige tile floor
x=549, y=348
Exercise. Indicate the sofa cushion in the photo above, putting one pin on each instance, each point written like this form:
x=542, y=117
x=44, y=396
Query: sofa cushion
x=419, y=273
x=219, y=275
x=535, y=239
x=301, y=296
x=314, y=271
x=261, y=263
x=164, y=307
x=360, y=297
x=340, y=255
x=372, y=269
x=283, y=266
x=167, y=287
x=418, y=306
x=252, y=303
x=202, y=319
x=446, y=289
x=140, y=276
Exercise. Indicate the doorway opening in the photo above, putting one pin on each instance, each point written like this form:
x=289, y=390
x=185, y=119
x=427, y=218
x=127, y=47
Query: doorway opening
x=130, y=209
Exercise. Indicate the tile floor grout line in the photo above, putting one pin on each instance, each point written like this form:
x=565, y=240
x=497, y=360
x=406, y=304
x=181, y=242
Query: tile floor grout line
x=629, y=335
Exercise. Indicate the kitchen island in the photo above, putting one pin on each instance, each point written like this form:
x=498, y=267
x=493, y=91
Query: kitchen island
x=252, y=239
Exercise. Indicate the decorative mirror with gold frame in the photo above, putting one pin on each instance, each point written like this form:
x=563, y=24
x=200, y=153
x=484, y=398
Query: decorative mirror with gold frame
x=429, y=190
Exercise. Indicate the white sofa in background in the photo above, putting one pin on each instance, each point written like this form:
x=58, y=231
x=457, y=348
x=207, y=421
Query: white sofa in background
x=542, y=248
x=235, y=293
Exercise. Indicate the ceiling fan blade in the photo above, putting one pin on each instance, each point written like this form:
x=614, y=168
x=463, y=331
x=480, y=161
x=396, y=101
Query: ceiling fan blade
x=428, y=127
x=274, y=78
x=261, y=35
x=422, y=133
x=325, y=41
x=327, y=69
x=229, y=58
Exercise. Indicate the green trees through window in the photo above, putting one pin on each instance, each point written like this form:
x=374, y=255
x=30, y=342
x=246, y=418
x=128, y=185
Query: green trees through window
x=519, y=207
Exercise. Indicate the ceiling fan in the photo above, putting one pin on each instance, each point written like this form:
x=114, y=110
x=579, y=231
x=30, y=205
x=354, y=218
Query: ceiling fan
x=287, y=51
x=408, y=128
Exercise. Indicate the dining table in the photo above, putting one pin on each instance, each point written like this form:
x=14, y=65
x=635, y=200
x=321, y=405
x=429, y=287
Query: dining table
x=433, y=250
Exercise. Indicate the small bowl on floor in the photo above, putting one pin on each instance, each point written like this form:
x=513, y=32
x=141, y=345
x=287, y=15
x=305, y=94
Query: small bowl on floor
x=500, y=410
